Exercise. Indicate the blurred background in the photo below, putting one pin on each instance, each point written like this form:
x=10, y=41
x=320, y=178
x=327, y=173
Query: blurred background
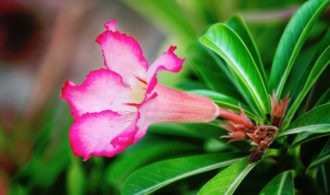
x=44, y=43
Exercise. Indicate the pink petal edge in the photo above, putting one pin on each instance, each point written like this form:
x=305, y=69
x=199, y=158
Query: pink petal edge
x=111, y=25
x=102, y=90
x=105, y=133
x=167, y=61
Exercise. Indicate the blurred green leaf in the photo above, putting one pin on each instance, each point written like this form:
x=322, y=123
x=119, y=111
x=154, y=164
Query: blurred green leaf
x=76, y=178
x=217, y=145
x=226, y=43
x=131, y=160
x=224, y=101
x=17, y=189
x=239, y=26
x=212, y=74
x=320, y=161
x=228, y=179
x=325, y=98
x=291, y=42
x=324, y=176
x=316, y=120
x=322, y=128
x=322, y=157
x=189, y=129
x=159, y=174
x=2, y=137
x=167, y=16
x=322, y=62
x=52, y=149
x=306, y=137
x=281, y=184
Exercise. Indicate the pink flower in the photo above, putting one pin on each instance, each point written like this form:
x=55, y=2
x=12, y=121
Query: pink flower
x=114, y=107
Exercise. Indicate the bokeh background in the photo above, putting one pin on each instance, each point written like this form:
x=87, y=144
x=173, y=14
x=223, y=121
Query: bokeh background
x=43, y=43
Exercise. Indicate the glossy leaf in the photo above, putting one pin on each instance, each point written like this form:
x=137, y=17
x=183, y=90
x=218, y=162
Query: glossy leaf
x=212, y=74
x=317, y=120
x=157, y=175
x=226, y=43
x=228, y=179
x=236, y=82
x=224, y=101
x=320, y=65
x=291, y=42
x=240, y=27
x=282, y=184
x=131, y=160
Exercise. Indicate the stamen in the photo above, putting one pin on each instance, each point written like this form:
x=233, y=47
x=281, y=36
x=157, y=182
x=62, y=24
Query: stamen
x=131, y=104
x=141, y=80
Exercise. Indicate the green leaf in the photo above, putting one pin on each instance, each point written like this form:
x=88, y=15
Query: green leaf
x=76, y=178
x=208, y=69
x=322, y=157
x=234, y=80
x=218, y=145
x=325, y=98
x=324, y=176
x=226, y=43
x=320, y=65
x=166, y=15
x=157, y=175
x=129, y=161
x=282, y=184
x=306, y=137
x=303, y=65
x=322, y=128
x=316, y=120
x=291, y=42
x=239, y=26
x=224, y=101
x=228, y=179
x=188, y=129
x=18, y=189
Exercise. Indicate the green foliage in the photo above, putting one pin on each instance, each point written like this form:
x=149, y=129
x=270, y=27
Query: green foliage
x=169, y=171
x=291, y=42
x=226, y=43
x=281, y=184
x=123, y=166
x=239, y=26
x=315, y=121
x=228, y=179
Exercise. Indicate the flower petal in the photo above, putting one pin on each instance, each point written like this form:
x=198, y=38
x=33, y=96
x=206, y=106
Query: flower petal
x=123, y=55
x=102, y=90
x=167, y=61
x=167, y=105
x=102, y=134
x=111, y=26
